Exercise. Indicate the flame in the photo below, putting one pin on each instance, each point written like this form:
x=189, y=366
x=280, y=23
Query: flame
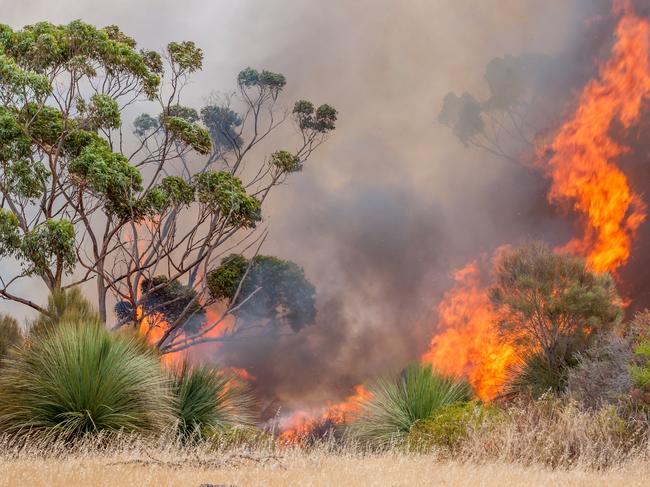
x=581, y=168
x=583, y=175
x=467, y=344
x=303, y=424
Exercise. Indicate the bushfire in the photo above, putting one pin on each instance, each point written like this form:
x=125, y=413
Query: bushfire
x=580, y=162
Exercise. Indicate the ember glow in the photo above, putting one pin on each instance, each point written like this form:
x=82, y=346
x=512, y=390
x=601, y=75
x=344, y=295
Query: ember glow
x=467, y=344
x=582, y=165
x=303, y=425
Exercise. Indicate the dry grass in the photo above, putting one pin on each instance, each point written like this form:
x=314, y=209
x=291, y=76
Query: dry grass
x=313, y=469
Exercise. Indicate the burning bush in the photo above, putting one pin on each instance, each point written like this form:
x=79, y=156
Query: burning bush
x=551, y=306
x=399, y=403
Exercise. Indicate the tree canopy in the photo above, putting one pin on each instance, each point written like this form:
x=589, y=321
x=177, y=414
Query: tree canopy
x=88, y=194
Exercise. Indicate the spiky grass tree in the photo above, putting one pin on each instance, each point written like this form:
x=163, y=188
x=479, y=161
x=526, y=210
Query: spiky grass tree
x=208, y=401
x=397, y=403
x=77, y=379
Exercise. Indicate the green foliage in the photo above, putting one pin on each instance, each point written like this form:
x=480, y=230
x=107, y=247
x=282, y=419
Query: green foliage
x=223, y=281
x=188, y=133
x=447, y=429
x=207, y=401
x=223, y=192
x=551, y=306
x=79, y=379
x=186, y=113
x=44, y=124
x=109, y=175
x=49, y=244
x=14, y=142
x=286, y=162
x=177, y=190
x=186, y=55
x=640, y=365
x=274, y=290
x=398, y=403
x=10, y=335
x=250, y=77
x=103, y=112
x=63, y=306
x=321, y=120
x=25, y=179
x=9, y=233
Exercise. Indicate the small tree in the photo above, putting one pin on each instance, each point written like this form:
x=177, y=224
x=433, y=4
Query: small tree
x=551, y=306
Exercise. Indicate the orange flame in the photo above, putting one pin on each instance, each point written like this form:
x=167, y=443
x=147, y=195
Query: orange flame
x=583, y=174
x=467, y=343
x=581, y=168
x=303, y=424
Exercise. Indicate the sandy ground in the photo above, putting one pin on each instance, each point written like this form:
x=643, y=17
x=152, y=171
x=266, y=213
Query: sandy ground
x=321, y=470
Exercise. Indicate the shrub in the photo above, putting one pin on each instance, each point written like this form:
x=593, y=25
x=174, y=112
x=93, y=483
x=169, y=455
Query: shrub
x=9, y=334
x=76, y=379
x=397, y=404
x=640, y=366
x=449, y=427
x=207, y=401
x=602, y=374
x=557, y=433
x=551, y=306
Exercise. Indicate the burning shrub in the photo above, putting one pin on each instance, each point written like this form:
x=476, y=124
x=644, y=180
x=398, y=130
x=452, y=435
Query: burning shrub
x=208, y=401
x=9, y=334
x=397, y=404
x=76, y=379
x=551, y=306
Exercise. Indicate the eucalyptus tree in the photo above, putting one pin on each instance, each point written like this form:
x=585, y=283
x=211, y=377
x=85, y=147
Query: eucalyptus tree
x=91, y=194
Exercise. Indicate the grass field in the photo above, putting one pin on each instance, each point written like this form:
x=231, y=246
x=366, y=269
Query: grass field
x=300, y=469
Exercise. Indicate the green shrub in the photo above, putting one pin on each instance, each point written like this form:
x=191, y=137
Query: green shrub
x=207, y=401
x=77, y=379
x=397, y=404
x=9, y=334
x=449, y=427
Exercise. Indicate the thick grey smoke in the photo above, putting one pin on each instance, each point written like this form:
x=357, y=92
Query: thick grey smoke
x=394, y=201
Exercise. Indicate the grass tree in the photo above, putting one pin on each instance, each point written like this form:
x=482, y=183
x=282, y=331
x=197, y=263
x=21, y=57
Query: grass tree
x=90, y=195
x=396, y=404
x=207, y=401
x=78, y=378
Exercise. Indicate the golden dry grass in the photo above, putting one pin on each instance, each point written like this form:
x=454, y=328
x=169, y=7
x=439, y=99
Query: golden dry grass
x=301, y=469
